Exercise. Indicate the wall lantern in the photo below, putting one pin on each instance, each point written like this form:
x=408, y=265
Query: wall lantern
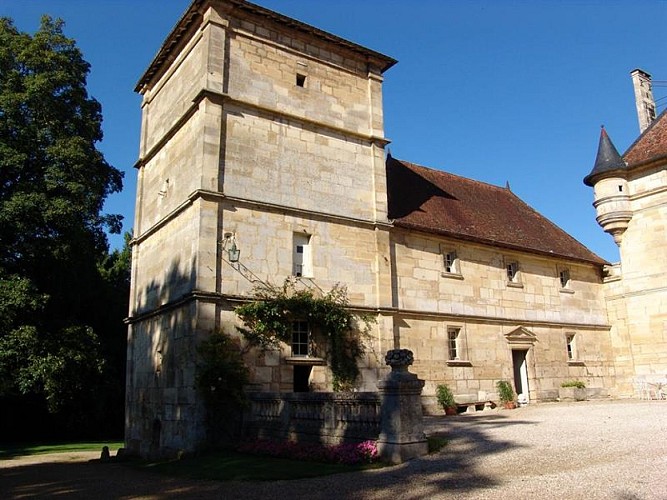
x=233, y=252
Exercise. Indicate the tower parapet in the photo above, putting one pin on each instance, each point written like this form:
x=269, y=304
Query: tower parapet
x=611, y=195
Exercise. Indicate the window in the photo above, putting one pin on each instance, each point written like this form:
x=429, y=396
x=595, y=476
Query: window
x=570, y=346
x=512, y=272
x=454, y=343
x=457, y=347
x=300, y=338
x=301, y=257
x=300, y=80
x=164, y=190
x=564, y=276
x=451, y=263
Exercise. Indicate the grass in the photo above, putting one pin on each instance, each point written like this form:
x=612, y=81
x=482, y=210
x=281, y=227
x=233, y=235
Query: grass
x=221, y=465
x=436, y=443
x=228, y=465
x=233, y=466
x=41, y=449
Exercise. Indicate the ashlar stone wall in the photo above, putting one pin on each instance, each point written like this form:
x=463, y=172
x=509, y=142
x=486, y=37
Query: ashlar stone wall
x=259, y=129
x=494, y=316
x=638, y=301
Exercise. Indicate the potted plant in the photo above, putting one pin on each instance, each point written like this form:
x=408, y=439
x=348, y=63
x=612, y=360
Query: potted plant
x=446, y=399
x=506, y=394
x=572, y=390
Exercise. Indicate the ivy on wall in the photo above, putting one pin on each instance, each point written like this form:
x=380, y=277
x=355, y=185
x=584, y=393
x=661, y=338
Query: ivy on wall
x=268, y=323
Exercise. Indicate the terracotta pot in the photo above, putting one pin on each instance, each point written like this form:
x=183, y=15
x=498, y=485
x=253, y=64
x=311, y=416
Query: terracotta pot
x=510, y=405
x=451, y=411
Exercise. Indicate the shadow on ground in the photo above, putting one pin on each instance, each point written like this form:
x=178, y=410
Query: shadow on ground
x=453, y=469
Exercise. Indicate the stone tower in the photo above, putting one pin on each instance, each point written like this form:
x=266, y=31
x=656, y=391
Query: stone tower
x=263, y=134
x=631, y=203
x=641, y=82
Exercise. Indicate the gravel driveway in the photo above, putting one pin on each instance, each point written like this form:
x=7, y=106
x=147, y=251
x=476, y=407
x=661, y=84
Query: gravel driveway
x=592, y=450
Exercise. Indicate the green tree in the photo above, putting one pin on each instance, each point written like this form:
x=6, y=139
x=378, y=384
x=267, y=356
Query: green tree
x=53, y=184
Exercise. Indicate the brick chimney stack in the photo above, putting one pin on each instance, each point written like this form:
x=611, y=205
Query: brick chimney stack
x=641, y=81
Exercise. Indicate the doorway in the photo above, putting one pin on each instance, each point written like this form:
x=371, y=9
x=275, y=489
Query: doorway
x=519, y=357
x=302, y=378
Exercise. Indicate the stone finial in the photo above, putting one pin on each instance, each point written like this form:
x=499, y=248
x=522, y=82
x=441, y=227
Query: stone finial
x=399, y=358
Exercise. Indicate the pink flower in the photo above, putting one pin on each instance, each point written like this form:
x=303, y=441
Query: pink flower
x=344, y=453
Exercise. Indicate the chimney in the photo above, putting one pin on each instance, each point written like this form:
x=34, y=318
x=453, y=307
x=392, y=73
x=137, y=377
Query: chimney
x=641, y=81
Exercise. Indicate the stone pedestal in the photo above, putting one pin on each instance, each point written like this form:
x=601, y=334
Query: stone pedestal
x=402, y=427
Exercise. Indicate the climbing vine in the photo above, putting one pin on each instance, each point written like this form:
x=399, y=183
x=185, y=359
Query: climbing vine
x=268, y=323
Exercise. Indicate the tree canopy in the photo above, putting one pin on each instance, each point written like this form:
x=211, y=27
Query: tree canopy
x=55, y=268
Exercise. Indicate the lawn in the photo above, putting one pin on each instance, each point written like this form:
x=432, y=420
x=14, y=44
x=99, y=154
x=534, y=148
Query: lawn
x=229, y=465
x=40, y=449
x=222, y=465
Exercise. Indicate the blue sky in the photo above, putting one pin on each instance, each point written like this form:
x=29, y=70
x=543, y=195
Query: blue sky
x=494, y=90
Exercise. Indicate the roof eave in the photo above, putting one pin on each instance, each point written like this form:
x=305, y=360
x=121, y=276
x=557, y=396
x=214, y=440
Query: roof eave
x=655, y=161
x=591, y=179
x=647, y=131
x=384, y=62
x=598, y=261
x=167, y=46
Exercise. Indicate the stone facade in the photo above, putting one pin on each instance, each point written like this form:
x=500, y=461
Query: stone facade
x=636, y=295
x=268, y=133
x=240, y=108
x=630, y=193
x=487, y=309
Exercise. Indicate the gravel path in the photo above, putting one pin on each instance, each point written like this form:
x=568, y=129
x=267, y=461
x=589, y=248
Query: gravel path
x=593, y=450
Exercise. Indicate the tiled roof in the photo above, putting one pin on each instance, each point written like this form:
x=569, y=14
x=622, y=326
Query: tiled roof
x=651, y=145
x=438, y=202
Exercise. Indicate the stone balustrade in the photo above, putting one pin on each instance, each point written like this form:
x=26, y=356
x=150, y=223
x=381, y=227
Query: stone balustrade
x=324, y=417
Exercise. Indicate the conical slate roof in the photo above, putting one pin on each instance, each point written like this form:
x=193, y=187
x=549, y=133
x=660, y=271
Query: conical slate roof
x=607, y=160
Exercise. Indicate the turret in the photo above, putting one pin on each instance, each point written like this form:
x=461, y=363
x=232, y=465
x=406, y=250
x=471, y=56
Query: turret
x=609, y=182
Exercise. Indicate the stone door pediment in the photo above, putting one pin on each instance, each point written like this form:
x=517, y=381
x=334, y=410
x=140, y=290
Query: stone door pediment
x=521, y=336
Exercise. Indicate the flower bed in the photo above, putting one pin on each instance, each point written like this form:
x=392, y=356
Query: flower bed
x=345, y=453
